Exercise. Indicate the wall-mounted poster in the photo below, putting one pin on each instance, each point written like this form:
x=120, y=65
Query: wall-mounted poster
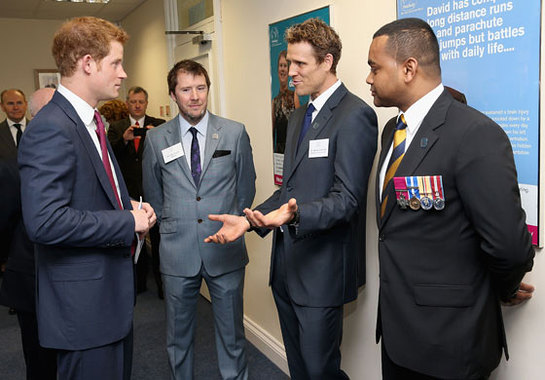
x=490, y=51
x=284, y=101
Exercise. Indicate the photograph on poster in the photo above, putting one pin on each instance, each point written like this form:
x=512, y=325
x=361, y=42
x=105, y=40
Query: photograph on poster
x=284, y=101
x=490, y=52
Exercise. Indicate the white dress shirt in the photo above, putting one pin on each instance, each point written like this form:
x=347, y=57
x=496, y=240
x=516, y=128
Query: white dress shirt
x=13, y=130
x=187, y=137
x=414, y=116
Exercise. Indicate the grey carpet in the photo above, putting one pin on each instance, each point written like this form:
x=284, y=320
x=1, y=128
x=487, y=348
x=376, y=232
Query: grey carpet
x=150, y=359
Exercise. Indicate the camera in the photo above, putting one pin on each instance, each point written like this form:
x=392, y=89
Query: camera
x=139, y=131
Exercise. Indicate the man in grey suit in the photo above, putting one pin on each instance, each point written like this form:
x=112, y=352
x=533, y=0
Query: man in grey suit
x=318, y=215
x=194, y=165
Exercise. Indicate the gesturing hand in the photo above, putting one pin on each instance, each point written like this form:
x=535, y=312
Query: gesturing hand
x=282, y=215
x=234, y=226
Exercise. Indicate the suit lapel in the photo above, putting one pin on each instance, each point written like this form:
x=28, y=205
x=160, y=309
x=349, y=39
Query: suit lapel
x=172, y=137
x=213, y=137
x=6, y=138
x=90, y=147
x=423, y=141
x=386, y=142
x=318, y=125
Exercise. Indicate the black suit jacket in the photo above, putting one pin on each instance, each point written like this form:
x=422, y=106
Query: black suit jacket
x=7, y=144
x=130, y=160
x=8, y=150
x=18, y=284
x=443, y=273
x=325, y=255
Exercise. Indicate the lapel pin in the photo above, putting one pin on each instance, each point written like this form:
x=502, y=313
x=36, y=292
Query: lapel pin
x=424, y=142
x=215, y=136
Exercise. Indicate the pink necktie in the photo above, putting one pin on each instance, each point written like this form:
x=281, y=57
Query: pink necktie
x=101, y=132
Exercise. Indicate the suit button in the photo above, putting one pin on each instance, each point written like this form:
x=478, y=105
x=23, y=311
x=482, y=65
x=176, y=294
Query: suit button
x=199, y=220
x=198, y=199
x=381, y=237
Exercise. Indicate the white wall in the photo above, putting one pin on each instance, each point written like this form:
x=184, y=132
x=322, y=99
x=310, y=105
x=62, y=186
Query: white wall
x=145, y=59
x=245, y=29
x=26, y=46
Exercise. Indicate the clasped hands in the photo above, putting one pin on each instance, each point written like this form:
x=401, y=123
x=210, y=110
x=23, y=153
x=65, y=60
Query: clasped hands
x=144, y=218
x=524, y=293
x=235, y=226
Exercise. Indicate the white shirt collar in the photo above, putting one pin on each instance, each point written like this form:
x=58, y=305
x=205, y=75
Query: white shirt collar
x=418, y=111
x=201, y=126
x=324, y=97
x=85, y=112
x=22, y=122
x=140, y=121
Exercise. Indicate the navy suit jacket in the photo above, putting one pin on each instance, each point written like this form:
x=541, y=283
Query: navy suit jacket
x=84, y=271
x=443, y=273
x=325, y=254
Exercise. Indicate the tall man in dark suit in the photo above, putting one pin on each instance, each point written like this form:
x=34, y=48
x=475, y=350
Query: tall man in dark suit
x=19, y=283
x=196, y=164
x=14, y=105
x=127, y=137
x=453, y=241
x=318, y=215
x=77, y=210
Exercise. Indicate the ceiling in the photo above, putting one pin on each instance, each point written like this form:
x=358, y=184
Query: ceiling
x=114, y=11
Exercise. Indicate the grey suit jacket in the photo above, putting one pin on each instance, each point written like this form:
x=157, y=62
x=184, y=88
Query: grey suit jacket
x=227, y=185
x=325, y=255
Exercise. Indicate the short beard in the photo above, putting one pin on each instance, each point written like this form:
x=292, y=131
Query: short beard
x=193, y=120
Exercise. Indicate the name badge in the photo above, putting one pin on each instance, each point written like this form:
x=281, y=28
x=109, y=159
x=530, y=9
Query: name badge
x=318, y=148
x=172, y=152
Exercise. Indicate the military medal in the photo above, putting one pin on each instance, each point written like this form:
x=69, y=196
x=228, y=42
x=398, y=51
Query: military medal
x=438, y=202
x=402, y=201
x=402, y=196
x=414, y=202
x=425, y=201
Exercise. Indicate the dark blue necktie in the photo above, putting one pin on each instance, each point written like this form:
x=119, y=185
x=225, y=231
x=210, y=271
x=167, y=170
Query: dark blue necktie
x=195, y=157
x=306, y=123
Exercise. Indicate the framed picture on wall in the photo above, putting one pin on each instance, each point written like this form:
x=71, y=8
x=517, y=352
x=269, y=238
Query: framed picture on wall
x=46, y=78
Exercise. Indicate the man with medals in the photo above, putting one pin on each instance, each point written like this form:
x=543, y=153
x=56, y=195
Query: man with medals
x=444, y=266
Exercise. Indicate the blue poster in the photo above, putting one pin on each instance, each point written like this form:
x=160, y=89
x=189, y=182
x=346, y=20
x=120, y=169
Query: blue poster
x=283, y=98
x=490, y=51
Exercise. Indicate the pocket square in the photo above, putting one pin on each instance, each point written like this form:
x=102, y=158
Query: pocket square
x=221, y=153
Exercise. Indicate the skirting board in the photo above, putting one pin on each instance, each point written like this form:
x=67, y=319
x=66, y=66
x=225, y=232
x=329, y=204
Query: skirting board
x=267, y=344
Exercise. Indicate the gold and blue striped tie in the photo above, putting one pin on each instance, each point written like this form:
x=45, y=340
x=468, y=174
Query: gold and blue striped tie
x=398, y=151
